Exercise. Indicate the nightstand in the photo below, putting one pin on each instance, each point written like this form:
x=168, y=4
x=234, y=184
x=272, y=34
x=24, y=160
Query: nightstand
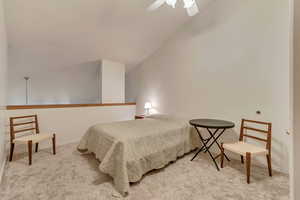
x=139, y=117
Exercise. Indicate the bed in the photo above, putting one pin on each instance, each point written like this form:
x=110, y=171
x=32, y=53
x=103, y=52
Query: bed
x=129, y=149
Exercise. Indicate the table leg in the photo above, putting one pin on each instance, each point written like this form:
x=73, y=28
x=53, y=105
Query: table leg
x=204, y=140
x=199, y=150
x=216, y=140
x=196, y=154
x=208, y=140
x=206, y=149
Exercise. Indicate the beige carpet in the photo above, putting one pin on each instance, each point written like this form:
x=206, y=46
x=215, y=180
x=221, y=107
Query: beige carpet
x=71, y=176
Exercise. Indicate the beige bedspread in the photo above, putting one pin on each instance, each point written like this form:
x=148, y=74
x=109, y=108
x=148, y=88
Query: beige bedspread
x=129, y=149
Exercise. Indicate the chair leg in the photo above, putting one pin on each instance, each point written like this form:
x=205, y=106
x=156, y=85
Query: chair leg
x=248, y=164
x=36, y=147
x=222, y=156
x=53, y=144
x=30, y=151
x=12, y=147
x=242, y=159
x=269, y=164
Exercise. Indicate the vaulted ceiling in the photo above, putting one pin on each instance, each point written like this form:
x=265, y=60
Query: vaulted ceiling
x=62, y=33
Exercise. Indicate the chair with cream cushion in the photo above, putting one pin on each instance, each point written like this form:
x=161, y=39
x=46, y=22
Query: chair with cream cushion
x=249, y=150
x=27, y=124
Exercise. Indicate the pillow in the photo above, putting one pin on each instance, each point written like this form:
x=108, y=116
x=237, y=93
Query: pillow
x=160, y=116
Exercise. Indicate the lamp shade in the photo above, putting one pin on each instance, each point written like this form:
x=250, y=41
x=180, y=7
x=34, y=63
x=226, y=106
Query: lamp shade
x=148, y=105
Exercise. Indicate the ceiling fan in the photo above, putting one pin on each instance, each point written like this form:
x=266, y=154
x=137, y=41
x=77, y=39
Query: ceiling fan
x=189, y=5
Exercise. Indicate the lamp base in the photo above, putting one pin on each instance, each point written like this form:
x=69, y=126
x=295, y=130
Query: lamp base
x=147, y=112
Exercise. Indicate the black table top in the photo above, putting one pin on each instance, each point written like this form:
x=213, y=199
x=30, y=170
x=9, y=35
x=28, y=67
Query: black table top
x=211, y=123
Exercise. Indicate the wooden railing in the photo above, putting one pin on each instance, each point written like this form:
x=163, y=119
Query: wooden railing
x=21, y=107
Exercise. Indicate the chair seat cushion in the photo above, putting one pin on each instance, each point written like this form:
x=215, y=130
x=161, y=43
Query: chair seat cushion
x=242, y=148
x=34, y=138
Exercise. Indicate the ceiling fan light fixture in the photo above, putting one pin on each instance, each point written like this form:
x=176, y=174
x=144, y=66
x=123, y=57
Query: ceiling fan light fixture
x=171, y=3
x=188, y=3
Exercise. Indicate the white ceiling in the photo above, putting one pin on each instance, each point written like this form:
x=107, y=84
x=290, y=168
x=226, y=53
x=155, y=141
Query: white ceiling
x=62, y=33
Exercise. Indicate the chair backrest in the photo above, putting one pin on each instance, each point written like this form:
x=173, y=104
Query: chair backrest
x=267, y=131
x=22, y=123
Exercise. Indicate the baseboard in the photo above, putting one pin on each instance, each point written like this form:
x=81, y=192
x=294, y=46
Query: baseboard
x=2, y=170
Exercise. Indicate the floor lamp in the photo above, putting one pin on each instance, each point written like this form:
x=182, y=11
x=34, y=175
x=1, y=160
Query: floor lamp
x=27, y=81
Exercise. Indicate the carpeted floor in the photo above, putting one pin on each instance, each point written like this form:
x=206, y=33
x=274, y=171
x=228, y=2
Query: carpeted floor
x=72, y=176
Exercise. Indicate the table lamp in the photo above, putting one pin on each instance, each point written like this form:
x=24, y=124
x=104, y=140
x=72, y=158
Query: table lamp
x=148, y=106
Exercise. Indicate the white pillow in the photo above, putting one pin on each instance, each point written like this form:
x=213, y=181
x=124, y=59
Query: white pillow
x=160, y=116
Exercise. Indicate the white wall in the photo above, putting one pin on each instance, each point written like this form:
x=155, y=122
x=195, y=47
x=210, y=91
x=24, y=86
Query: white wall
x=100, y=81
x=66, y=85
x=63, y=34
x=3, y=66
x=296, y=119
x=227, y=62
x=61, y=120
x=113, y=82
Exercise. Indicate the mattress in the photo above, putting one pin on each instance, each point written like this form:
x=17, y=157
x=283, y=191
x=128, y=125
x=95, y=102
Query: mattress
x=129, y=149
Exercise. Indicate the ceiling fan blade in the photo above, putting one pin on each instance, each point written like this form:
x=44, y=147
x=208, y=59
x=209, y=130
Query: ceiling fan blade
x=193, y=10
x=171, y=3
x=156, y=5
x=188, y=3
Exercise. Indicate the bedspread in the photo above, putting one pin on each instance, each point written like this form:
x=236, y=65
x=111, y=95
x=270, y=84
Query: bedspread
x=129, y=149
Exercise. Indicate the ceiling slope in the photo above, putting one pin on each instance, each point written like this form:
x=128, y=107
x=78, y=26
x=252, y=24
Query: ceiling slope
x=62, y=33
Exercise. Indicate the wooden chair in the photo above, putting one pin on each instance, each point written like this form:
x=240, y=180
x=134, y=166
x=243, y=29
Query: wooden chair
x=34, y=138
x=249, y=150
